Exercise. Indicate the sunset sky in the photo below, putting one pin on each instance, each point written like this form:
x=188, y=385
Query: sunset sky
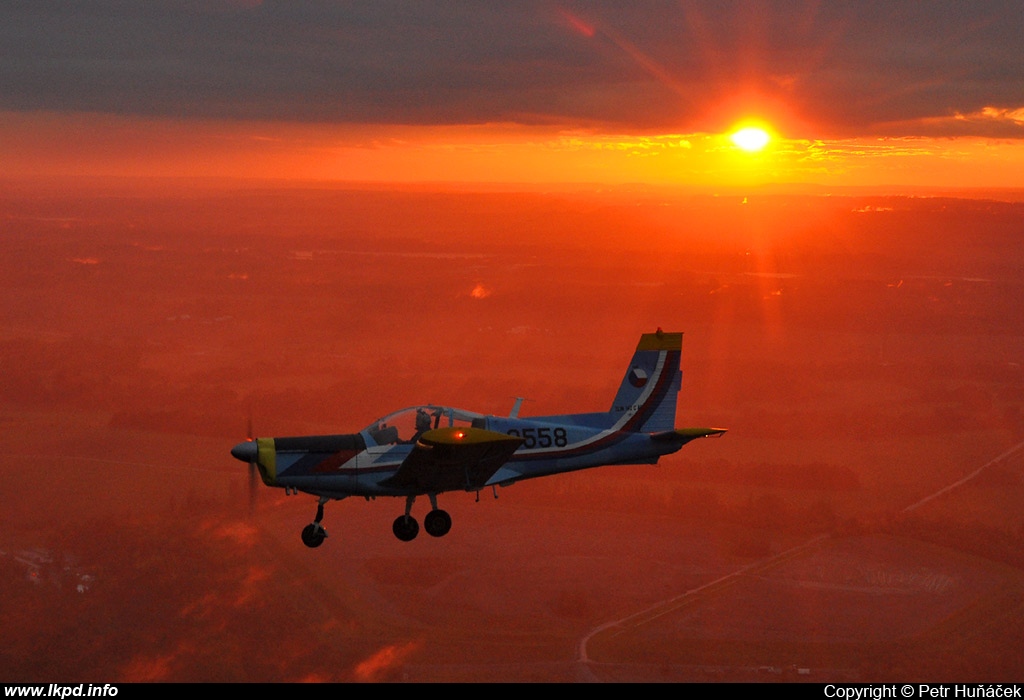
x=859, y=93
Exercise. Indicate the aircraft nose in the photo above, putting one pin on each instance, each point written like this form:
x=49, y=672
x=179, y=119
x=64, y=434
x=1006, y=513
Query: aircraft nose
x=245, y=451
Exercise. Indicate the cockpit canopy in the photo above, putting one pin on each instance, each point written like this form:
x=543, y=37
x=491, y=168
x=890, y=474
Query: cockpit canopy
x=406, y=425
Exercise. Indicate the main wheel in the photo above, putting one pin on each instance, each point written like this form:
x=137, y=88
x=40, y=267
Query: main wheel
x=437, y=523
x=313, y=535
x=405, y=528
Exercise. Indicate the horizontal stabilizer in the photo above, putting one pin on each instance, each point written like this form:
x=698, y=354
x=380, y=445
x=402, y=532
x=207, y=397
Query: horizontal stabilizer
x=684, y=435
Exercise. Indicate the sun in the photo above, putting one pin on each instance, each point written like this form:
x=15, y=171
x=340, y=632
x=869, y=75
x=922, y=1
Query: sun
x=751, y=138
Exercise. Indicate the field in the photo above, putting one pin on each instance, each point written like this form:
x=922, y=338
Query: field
x=865, y=352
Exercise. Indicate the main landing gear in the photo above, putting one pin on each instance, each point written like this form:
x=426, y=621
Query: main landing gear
x=437, y=522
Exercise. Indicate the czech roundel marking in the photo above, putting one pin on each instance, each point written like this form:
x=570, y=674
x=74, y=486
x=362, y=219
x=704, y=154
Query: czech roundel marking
x=638, y=377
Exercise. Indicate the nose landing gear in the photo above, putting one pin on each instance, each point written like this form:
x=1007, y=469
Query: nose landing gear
x=314, y=534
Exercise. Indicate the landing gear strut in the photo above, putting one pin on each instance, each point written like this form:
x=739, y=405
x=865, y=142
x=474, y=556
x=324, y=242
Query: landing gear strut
x=405, y=526
x=313, y=535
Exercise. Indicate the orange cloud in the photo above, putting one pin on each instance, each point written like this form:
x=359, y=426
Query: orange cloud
x=386, y=659
x=1002, y=114
x=147, y=669
x=241, y=533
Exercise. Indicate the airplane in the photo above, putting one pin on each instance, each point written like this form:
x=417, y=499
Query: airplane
x=431, y=449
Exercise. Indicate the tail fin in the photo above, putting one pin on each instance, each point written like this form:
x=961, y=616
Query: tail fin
x=651, y=385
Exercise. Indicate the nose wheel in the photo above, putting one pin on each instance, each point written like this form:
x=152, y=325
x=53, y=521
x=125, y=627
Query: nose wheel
x=314, y=534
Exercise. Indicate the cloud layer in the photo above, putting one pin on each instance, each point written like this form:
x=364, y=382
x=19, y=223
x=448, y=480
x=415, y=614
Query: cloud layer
x=853, y=68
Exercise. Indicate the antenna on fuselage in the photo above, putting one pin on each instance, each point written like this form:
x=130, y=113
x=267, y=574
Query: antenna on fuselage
x=514, y=413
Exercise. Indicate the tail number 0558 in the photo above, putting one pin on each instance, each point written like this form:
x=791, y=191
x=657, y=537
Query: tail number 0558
x=541, y=437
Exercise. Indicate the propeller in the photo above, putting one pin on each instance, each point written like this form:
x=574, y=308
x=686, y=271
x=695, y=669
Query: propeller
x=253, y=475
x=248, y=451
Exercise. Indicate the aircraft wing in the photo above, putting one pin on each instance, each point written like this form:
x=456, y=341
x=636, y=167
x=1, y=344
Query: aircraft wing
x=449, y=459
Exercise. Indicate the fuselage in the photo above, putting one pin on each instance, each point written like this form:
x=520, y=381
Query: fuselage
x=359, y=463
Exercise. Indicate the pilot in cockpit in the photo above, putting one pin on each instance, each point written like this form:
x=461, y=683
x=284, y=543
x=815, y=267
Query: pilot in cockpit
x=422, y=421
